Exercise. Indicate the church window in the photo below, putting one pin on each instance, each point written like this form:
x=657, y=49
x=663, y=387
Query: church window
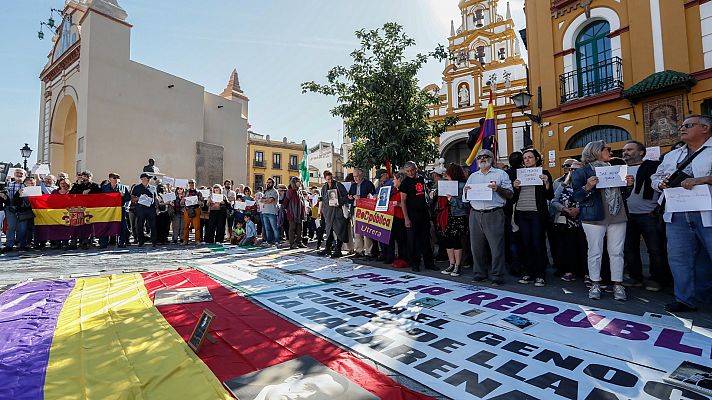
x=607, y=133
x=593, y=58
x=67, y=37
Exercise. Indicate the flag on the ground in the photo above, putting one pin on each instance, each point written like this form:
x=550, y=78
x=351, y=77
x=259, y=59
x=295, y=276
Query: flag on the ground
x=76, y=216
x=304, y=167
x=486, y=139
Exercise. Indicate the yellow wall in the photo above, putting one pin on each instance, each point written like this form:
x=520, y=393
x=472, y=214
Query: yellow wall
x=269, y=148
x=682, y=51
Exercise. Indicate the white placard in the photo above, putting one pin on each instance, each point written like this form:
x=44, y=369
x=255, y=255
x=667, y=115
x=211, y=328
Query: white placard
x=529, y=176
x=240, y=205
x=250, y=203
x=216, y=197
x=191, y=201
x=41, y=169
x=314, y=200
x=168, y=197
x=613, y=176
x=447, y=188
x=347, y=185
x=31, y=191
x=478, y=191
x=652, y=153
x=181, y=183
x=205, y=193
x=680, y=199
x=167, y=180
x=145, y=200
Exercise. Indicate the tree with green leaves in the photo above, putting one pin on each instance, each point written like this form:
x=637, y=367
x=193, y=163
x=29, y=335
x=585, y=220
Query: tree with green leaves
x=384, y=110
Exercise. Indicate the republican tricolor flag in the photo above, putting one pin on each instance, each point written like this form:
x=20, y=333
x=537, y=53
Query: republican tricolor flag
x=76, y=216
x=486, y=139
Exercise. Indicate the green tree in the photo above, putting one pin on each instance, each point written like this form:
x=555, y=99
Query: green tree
x=384, y=110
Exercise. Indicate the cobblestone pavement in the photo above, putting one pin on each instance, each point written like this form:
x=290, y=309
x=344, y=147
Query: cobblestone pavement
x=48, y=264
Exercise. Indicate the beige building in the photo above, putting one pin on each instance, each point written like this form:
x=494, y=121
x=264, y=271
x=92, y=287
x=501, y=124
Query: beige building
x=276, y=159
x=104, y=112
x=487, y=60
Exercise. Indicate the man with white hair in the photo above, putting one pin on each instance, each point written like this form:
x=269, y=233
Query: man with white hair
x=487, y=218
x=361, y=189
x=689, y=234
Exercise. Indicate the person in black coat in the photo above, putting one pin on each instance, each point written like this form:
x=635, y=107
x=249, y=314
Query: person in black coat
x=360, y=188
x=531, y=214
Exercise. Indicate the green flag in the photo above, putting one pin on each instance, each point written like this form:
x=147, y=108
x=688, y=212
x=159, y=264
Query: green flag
x=304, y=168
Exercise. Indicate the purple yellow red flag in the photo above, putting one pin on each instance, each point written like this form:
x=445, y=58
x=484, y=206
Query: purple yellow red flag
x=76, y=216
x=486, y=139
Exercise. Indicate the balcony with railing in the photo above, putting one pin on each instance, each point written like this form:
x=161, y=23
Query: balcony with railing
x=258, y=164
x=595, y=79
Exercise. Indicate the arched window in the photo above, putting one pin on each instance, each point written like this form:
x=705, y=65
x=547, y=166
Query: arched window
x=607, y=133
x=593, y=59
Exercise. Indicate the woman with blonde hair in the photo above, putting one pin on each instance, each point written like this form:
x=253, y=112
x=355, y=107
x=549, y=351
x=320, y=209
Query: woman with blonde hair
x=602, y=213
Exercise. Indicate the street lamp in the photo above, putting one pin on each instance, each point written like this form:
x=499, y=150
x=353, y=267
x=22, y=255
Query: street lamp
x=521, y=101
x=26, y=151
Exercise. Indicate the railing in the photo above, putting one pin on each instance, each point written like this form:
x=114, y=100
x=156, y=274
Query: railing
x=602, y=77
x=293, y=167
x=276, y=165
x=259, y=164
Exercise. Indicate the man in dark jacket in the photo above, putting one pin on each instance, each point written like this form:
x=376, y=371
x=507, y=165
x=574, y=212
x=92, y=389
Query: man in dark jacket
x=361, y=188
x=643, y=220
x=84, y=185
x=115, y=186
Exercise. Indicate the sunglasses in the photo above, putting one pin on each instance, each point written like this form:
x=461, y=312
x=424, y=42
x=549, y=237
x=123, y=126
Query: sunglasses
x=567, y=165
x=690, y=125
x=483, y=157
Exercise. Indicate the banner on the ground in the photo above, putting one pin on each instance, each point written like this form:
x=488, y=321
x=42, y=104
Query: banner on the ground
x=403, y=330
x=371, y=223
x=253, y=279
x=76, y=216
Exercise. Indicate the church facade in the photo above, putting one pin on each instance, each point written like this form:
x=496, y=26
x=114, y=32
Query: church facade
x=104, y=112
x=486, y=61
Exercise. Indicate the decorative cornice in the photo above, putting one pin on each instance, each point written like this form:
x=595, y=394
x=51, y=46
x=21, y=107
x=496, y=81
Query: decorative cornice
x=565, y=52
x=692, y=3
x=68, y=58
x=561, y=7
x=704, y=74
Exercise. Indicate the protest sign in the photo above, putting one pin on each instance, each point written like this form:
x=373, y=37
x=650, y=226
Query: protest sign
x=652, y=153
x=181, y=183
x=447, y=188
x=29, y=191
x=167, y=180
x=371, y=223
x=249, y=279
x=529, y=176
x=145, y=200
x=168, y=197
x=680, y=199
x=384, y=195
x=205, y=193
x=191, y=200
x=613, y=176
x=478, y=191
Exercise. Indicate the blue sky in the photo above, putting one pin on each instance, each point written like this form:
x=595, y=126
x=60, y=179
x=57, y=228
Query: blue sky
x=274, y=44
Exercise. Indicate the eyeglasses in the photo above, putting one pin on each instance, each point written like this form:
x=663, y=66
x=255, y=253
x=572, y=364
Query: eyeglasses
x=567, y=165
x=690, y=125
x=483, y=157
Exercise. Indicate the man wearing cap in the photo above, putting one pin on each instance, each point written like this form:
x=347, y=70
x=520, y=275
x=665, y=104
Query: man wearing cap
x=84, y=185
x=115, y=186
x=145, y=213
x=487, y=218
x=191, y=214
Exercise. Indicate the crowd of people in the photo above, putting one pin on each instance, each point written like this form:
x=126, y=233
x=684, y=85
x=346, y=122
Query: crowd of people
x=568, y=223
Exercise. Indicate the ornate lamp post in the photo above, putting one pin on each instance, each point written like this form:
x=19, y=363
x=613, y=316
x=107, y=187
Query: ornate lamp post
x=26, y=151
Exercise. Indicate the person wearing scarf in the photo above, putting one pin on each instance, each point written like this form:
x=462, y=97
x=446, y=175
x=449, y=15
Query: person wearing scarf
x=602, y=214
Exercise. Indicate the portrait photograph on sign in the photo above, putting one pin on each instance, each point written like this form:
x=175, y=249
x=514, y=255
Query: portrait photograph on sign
x=384, y=194
x=200, y=332
x=301, y=378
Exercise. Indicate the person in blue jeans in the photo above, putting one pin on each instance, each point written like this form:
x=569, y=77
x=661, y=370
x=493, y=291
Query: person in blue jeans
x=25, y=218
x=269, y=209
x=689, y=234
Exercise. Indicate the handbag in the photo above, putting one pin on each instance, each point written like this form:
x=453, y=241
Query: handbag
x=25, y=215
x=677, y=177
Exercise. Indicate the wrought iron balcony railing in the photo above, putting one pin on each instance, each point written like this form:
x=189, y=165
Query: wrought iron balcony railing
x=602, y=77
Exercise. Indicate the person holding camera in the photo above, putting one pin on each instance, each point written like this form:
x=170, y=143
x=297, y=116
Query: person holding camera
x=689, y=234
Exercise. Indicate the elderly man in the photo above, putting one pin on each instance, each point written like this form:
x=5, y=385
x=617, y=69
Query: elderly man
x=417, y=218
x=361, y=188
x=145, y=200
x=10, y=214
x=115, y=186
x=689, y=234
x=487, y=218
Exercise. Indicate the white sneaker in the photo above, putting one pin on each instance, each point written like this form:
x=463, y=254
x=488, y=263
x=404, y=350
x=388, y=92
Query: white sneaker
x=619, y=293
x=539, y=282
x=595, y=292
x=455, y=271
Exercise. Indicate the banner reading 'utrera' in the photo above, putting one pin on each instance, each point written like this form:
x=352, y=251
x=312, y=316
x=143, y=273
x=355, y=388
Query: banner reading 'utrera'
x=373, y=224
x=76, y=216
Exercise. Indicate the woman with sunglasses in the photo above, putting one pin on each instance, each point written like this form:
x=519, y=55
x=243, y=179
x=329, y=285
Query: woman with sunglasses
x=602, y=214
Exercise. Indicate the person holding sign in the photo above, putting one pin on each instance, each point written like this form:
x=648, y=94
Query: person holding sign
x=335, y=221
x=177, y=212
x=602, y=214
x=453, y=218
x=191, y=211
x=14, y=184
x=25, y=217
x=487, y=218
x=145, y=212
x=531, y=214
x=217, y=215
x=689, y=233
